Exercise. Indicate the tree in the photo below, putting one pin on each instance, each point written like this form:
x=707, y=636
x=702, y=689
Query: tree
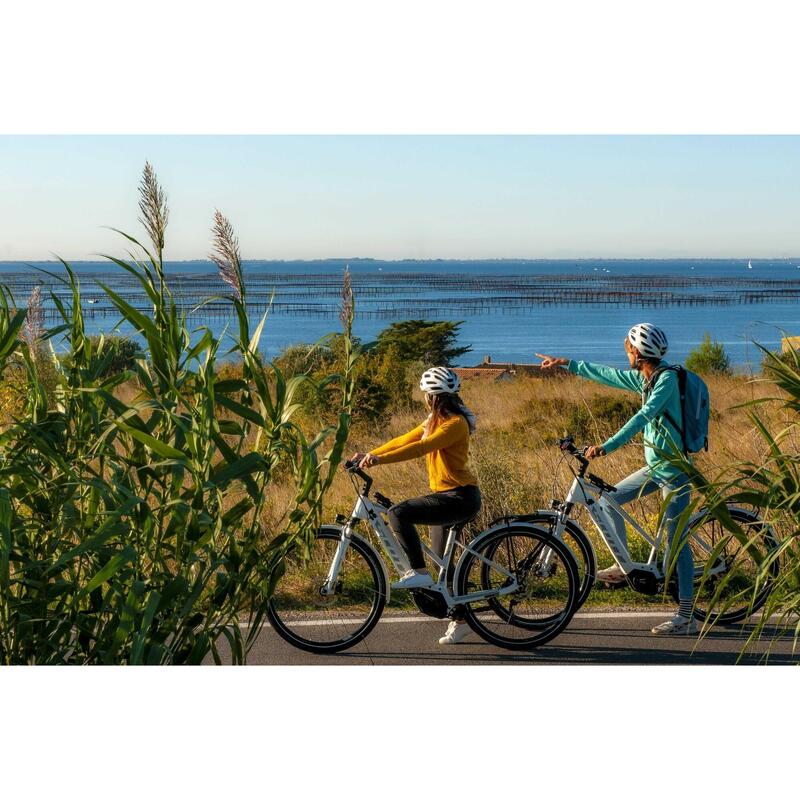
x=386, y=374
x=420, y=340
x=709, y=358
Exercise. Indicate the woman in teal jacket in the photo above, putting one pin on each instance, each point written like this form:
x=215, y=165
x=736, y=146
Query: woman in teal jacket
x=658, y=417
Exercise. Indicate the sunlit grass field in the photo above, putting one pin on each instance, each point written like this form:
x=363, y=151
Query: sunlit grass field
x=521, y=469
x=519, y=466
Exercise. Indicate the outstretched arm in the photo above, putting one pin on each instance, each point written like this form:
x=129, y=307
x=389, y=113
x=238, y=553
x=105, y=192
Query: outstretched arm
x=655, y=405
x=629, y=379
x=618, y=378
x=444, y=436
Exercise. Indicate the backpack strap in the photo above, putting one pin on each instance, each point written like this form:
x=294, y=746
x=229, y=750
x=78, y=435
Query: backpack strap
x=649, y=385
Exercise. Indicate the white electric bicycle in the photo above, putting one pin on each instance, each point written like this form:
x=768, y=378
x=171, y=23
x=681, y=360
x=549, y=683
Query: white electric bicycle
x=727, y=586
x=516, y=588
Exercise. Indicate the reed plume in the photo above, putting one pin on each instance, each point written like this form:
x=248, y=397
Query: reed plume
x=225, y=254
x=346, y=307
x=34, y=320
x=153, y=207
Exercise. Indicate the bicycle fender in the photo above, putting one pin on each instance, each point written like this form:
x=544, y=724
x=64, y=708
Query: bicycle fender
x=550, y=515
x=542, y=515
x=754, y=517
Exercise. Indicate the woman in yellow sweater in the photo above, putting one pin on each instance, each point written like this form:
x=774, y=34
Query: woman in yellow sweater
x=444, y=441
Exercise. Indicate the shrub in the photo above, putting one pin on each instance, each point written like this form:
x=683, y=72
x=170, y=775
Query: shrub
x=382, y=381
x=771, y=484
x=320, y=398
x=773, y=360
x=709, y=358
x=115, y=354
x=393, y=373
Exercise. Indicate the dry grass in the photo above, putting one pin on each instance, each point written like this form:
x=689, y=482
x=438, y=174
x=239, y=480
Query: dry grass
x=519, y=467
x=513, y=451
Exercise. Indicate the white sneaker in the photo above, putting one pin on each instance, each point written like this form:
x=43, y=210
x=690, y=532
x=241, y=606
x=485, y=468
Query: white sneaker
x=611, y=575
x=678, y=625
x=414, y=580
x=456, y=632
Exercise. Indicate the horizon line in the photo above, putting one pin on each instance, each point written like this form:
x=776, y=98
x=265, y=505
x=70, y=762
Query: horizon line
x=361, y=259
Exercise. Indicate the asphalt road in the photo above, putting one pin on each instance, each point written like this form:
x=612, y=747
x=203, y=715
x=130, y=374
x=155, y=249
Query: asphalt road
x=591, y=638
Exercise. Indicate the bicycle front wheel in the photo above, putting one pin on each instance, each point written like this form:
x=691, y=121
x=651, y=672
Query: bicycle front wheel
x=548, y=586
x=732, y=585
x=310, y=619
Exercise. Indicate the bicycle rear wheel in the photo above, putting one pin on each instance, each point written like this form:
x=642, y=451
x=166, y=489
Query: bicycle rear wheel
x=578, y=542
x=547, y=596
x=319, y=623
x=734, y=586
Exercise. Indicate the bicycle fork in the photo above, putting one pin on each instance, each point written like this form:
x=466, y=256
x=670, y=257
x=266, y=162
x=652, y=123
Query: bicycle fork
x=543, y=569
x=328, y=588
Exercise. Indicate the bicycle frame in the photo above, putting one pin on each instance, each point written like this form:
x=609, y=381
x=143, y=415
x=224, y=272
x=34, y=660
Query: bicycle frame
x=601, y=506
x=371, y=513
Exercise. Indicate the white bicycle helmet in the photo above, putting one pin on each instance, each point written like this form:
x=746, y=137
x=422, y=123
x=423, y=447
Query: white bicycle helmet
x=439, y=380
x=651, y=342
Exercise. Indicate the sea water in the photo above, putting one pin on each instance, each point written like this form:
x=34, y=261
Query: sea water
x=589, y=331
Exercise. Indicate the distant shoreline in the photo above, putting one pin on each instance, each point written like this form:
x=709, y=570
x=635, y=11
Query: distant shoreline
x=368, y=260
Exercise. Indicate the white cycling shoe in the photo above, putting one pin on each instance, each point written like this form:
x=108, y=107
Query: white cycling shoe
x=414, y=580
x=613, y=574
x=677, y=626
x=456, y=632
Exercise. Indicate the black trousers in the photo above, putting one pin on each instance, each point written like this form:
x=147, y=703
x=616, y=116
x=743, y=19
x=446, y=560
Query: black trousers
x=439, y=510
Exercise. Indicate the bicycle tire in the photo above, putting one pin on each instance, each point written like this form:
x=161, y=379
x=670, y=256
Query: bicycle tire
x=517, y=630
x=298, y=588
x=749, y=602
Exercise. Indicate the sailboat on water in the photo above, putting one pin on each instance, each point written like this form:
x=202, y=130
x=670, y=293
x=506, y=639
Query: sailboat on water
x=749, y=264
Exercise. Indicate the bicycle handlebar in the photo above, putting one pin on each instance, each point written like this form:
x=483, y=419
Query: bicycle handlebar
x=567, y=445
x=354, y=469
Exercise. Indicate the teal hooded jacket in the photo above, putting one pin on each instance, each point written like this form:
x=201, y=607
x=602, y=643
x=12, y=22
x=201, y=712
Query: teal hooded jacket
x=660, y=435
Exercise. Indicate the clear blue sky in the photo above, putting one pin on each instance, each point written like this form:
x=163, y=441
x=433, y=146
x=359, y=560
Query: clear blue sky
x=418, y=197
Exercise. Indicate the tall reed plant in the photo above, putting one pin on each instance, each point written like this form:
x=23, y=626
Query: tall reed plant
x=769, y=485
x=131, y=532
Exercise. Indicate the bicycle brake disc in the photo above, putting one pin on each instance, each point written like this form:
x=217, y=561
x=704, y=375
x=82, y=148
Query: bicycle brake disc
x=319, y=599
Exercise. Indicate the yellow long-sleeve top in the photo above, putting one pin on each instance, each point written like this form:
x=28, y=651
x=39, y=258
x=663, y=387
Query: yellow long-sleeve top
x=446, y=451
